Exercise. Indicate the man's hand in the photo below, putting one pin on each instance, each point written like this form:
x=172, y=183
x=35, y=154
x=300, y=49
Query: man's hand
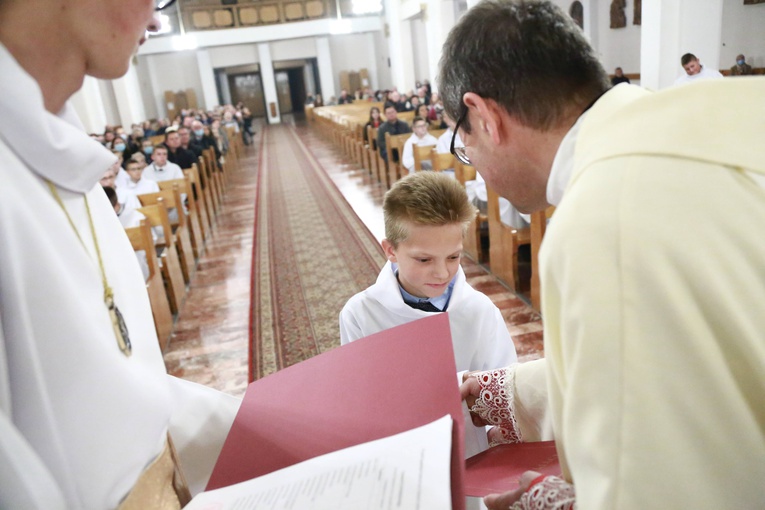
x=505, y=500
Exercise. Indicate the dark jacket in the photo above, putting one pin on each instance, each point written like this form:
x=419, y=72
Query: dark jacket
x=399, y=127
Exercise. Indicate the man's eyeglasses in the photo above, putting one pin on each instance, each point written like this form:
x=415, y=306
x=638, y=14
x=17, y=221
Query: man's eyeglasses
x=459, y=152
x=162, y=4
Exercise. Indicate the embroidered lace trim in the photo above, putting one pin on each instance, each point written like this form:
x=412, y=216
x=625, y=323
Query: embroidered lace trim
x=547, y=493
x=495, y=405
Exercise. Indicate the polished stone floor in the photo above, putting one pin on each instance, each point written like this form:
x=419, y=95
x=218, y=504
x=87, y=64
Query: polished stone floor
x=209, y=344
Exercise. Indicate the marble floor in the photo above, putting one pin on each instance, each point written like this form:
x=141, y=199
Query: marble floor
x=209, y=344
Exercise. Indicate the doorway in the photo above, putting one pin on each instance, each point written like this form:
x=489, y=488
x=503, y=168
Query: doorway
x=248, y=89
x=290, y=89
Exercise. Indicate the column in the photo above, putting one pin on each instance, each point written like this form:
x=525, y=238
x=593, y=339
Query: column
x=326, y=74
x=89, y=105
x=207, y=76
x=671, y=29
x=439, y=20
x=127, y=92
x=269, y=83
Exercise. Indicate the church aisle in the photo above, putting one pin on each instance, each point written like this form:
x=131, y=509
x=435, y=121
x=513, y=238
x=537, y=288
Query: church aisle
x=210, y=340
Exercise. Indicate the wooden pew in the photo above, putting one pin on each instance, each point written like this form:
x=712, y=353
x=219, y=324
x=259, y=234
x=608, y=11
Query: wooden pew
x=443, y=161
x=181, y=236
x=423, y=153
x=207, y=189
x=504, y=242
x=209, y=181
x=193, y=216
x=205, y=221
x=169, y=261
x=373, y=155
x=395, y=143
x=472, y=245
x=141, y=239
x=538, y=227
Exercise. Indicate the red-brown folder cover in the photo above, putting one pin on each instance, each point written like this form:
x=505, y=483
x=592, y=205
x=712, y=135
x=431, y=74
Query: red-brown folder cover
x=375, y=387
x=497, y=469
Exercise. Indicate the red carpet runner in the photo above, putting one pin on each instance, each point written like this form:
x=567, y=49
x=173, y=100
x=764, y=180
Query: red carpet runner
x=311, y=253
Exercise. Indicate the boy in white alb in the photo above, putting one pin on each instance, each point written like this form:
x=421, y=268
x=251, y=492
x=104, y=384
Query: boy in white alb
x=137, y=184
x=420, y=137
x=426, y=214
x=160, y=169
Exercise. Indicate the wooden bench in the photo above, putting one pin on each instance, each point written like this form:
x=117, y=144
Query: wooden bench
x=192, y=218
x=179, y=236
x=142, y=241
x=538, y=226
x=504, y=243
x=169, y=261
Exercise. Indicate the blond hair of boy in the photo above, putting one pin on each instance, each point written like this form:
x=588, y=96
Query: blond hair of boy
x=425, y=198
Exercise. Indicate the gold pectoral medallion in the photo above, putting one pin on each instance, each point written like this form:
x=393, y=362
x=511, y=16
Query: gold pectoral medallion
x=120, y=328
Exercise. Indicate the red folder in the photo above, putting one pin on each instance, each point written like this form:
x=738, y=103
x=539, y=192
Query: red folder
x=387, y=383
x=497, y=469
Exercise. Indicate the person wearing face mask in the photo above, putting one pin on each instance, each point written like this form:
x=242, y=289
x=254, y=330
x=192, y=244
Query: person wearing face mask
x=147, y=148
x=199, y=141
x=741, y=68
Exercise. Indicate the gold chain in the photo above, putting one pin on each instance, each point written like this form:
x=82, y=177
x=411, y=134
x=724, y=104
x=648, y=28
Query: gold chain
x=117, y=321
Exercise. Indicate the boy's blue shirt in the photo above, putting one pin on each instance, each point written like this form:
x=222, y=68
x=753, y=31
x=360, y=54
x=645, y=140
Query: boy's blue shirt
x=440, y=302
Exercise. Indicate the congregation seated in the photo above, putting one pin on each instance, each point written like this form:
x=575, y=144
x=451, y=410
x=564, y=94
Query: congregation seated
x=421, y=138
x=177, y=154
x=199, y=140
x=185, y=135
x=160, y=168
x=392, y=125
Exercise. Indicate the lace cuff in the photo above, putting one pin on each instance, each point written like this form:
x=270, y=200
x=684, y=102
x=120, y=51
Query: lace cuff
x=495, y=404
x=547, y=493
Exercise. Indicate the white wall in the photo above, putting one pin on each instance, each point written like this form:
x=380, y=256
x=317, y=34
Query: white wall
x=110, y=102
x=294, y=49
x=381, y=58
x=617, y=47
x=235, y=55
x=419, y=53
x=145, y=79
x=743, y=31
x=353, y=52
x=176, y=72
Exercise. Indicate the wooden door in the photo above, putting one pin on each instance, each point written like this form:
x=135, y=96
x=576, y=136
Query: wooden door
x=248, y=88
x=283, y=93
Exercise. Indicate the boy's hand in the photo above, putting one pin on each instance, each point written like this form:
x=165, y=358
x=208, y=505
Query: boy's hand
x=470, y=390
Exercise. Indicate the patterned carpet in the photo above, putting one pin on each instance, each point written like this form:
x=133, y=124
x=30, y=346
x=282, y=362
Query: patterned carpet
x=311, y=254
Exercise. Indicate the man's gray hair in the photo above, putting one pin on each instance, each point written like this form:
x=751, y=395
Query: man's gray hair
x=528, y=56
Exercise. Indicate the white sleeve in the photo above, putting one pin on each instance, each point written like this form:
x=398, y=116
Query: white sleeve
x=25, y=481
x=201, y=420
x=408, y=158
x=499, y=347
x=349, y=327
x=530, y=399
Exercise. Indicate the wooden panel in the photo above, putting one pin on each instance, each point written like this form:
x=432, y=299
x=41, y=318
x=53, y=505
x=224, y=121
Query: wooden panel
x=314, y=9
x=293, y=11
x=223, y=18
x=191, y=99
x=248, y=16
x=269, y=13
x=201, y=19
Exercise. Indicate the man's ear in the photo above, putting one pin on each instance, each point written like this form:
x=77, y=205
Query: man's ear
x=485, y=115
x=389, y=250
